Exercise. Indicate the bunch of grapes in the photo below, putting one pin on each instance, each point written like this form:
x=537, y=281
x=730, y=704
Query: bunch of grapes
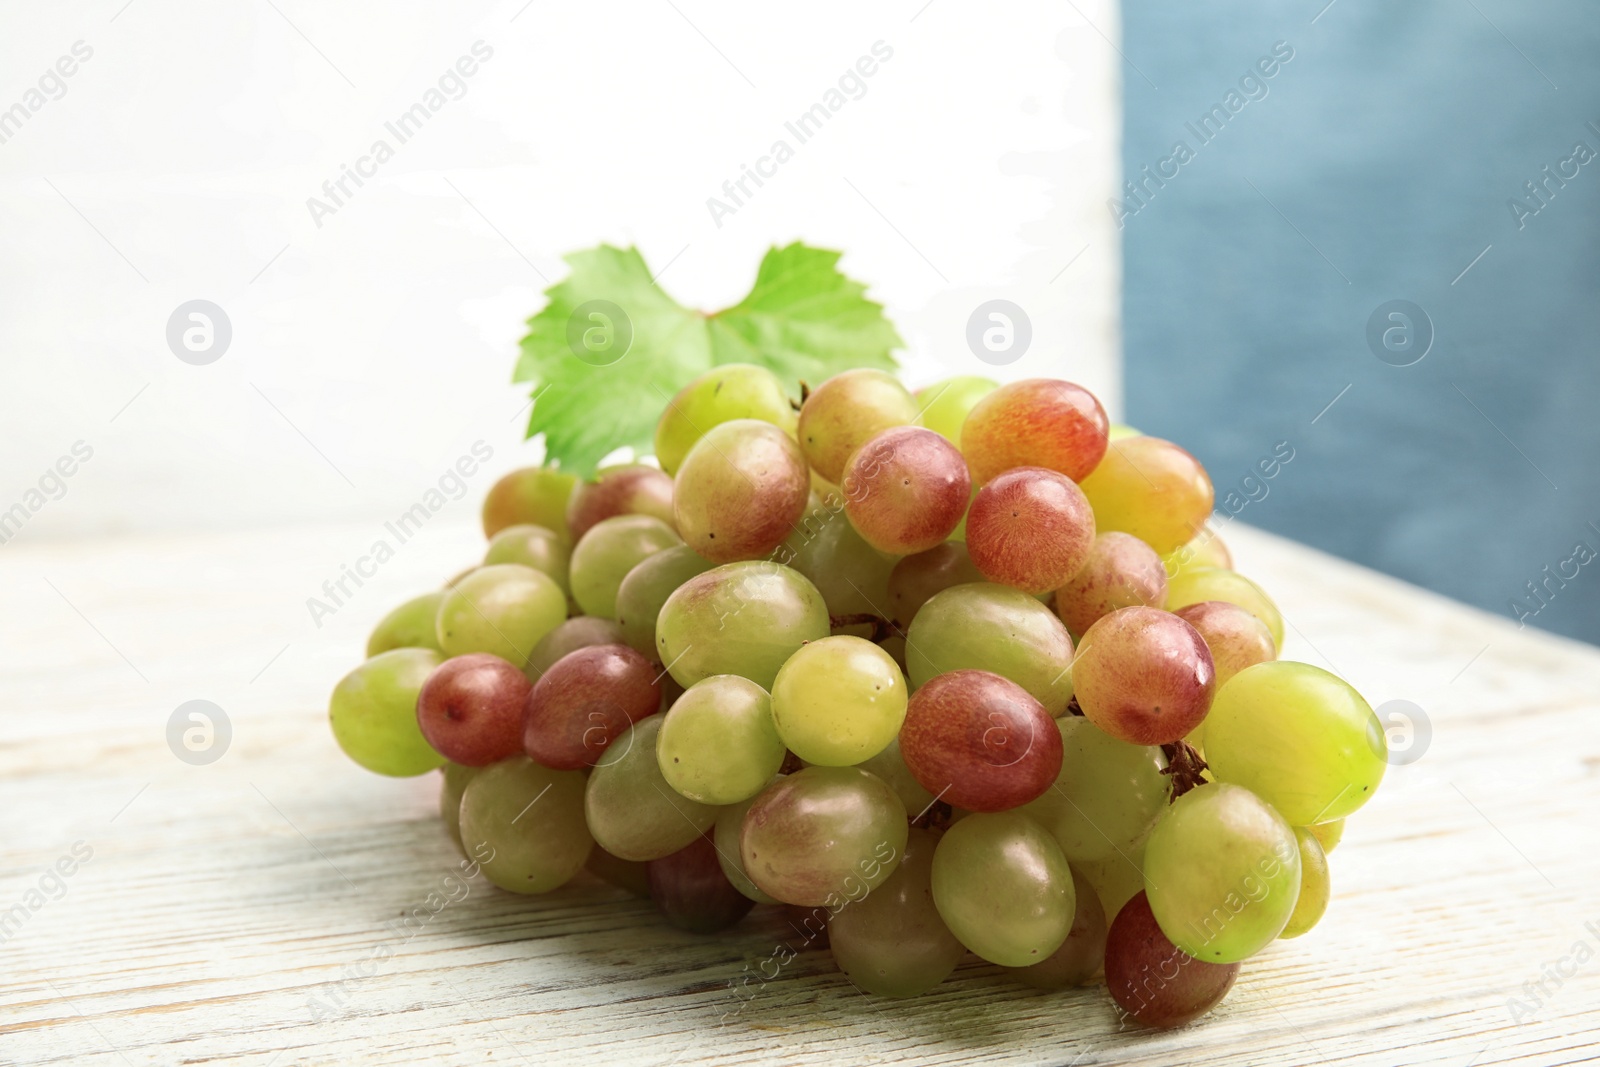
x=960, y=671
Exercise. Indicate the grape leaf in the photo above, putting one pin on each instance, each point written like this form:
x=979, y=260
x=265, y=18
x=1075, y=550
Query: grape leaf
x=603, y=372
x=804, y=320
x=586, y=407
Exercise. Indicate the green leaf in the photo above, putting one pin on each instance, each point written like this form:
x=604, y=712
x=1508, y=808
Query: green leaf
x=803, y=320
x=586, y=410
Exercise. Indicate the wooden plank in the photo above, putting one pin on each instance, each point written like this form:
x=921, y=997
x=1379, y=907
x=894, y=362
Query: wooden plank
x=245, y=911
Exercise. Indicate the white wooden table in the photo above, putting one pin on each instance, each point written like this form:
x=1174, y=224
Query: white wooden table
x=223, y=903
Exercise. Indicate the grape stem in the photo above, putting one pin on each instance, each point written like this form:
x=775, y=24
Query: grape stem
x=880, y=625
x=805, y=392
x=1185, y=766
x=935, y=818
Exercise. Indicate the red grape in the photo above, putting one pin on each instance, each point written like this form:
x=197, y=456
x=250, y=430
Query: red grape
x=1030, y=528
x=470, y=709
x=905, y=490
x=979, y=741
x=1144, y=676
x=585, y=701
x=1038, y=422
x=1151, y=979
x=690, y=889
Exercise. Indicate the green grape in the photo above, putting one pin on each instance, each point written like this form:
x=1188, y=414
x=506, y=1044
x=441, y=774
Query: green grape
x=732, y=391
x=717, y=743
x=580, y=631
x=993, y=628
x=740, y=491
x=532, y=546
x=1084, y=950
x=1106, y=796
x=624, y=874
x=730, y=824
x=917, y=578
x=823, y=836
x=890, y=765
x=1004, y=888
x=1301, y=738
x=453, y=784
x=945, y=405
x=505, y=610
x=1328, y=834
x=632, y=811
x=892, y=943
x=842, y=412
x=647, y=587
x=1118, y=878
x=606, y=554
x=536, y=495
x=525, y=824
x=1204, y=550
x=1222, y=871
x=1198, y=584
x=1119, y=431
x=1314, y=885
x=408, y=626
x=851, y=575
x=739, y=618
x=373, y=713
x=838, y=701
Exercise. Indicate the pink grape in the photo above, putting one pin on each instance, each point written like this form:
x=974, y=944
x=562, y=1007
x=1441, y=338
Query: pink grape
x=1121, y=571
x=823, y=836
x=634, y=489
x=1030, y=528
x=740, y=490
x=1236, y=638
x=1038, y=422
x=905, y=490
x=1144, y=676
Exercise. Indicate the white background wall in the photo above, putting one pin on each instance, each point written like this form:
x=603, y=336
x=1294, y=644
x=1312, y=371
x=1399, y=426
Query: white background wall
x=369, y=352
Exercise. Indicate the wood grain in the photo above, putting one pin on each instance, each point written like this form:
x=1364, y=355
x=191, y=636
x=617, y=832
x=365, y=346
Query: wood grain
x=246, y=911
